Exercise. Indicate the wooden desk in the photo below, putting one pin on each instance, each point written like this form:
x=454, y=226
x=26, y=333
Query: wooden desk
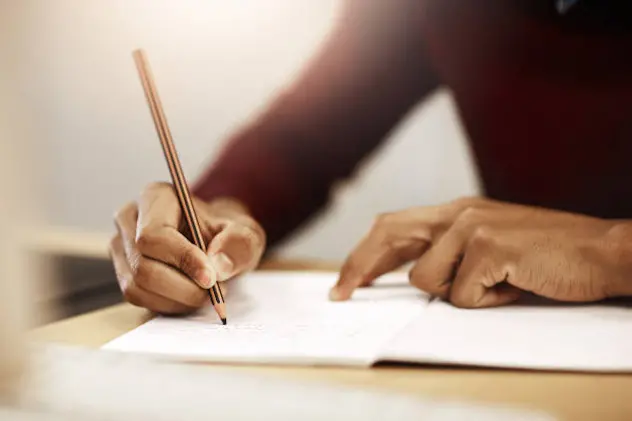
x=577, y=397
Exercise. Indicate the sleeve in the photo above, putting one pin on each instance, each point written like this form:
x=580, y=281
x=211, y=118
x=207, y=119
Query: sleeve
x=370, y=71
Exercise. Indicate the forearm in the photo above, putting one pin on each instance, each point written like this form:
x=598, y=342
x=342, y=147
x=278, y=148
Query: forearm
x=263, y=182
x=363, y=81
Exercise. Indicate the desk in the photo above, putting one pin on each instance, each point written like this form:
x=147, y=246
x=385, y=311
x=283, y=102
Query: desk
x=577, y=397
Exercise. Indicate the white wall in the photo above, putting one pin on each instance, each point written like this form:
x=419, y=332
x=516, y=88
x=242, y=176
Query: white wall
x=216, y=62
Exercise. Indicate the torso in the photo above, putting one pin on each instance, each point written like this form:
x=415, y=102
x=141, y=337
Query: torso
x=547, y=108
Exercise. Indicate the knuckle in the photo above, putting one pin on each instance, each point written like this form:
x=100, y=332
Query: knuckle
x=124, y=211
x=469, y=216
x=145, y=239
x=415, y=277
x=381, y=224
x=425, y=281
x=467, y=202
x=460, y=201
x=157, y=186
x=621, y=232
x=156, y=189
x=383, y=219
x=142, y=274
x=461, y=300
x=113, y=243
x=131, y=295
x=493, y=274
x=616, y=243
x=482, y=236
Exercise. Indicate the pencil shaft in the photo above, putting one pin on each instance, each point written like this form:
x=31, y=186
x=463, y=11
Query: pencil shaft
x=175, y=168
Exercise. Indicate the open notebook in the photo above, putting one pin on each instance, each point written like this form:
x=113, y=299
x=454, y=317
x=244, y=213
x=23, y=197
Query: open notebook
x=285, y=318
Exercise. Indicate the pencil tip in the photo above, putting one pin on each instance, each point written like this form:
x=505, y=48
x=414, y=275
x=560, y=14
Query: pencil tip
x=223, y=321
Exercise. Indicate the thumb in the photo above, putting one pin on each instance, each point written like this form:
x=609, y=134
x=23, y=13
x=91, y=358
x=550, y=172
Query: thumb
x=236, y=249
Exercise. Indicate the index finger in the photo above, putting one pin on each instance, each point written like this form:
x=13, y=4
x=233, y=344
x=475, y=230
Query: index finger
x=393, y=241
x=158, y=238
x=158, y=205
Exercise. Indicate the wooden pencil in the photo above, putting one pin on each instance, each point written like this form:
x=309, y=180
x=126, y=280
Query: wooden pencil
x=175, y=169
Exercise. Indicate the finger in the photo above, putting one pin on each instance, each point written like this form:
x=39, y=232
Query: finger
x=136, y=295
x=150, y=274
x=481, y=280
x=157, y=235
x=119, y=261
x=154, y=302
x=165, y=244
x=396, y=239
x=393, y=241
x=158, y=205
x=436, y=268
x=125, y=221
x=236, y=249
x=166, y=281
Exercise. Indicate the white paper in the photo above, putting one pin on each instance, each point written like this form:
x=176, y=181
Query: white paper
x=285, y=318
x=544, y=336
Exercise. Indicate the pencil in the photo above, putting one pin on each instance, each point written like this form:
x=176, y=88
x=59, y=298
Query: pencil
x=175, y=169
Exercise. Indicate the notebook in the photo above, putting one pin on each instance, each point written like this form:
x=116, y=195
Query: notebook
x=285, y=318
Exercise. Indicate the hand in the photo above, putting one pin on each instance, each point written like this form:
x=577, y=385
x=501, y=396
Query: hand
x=482, y=253
x=159, y=268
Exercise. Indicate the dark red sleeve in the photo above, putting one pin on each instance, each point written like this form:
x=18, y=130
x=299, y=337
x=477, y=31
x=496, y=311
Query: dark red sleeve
x=369, y=73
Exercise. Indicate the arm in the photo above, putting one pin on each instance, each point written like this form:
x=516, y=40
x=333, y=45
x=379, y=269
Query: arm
x=369, y=73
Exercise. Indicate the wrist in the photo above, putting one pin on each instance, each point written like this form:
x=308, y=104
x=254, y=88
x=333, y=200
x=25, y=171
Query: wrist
x=618, y=250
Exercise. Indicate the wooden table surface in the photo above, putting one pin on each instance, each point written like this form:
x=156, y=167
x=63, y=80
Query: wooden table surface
x=568, y=396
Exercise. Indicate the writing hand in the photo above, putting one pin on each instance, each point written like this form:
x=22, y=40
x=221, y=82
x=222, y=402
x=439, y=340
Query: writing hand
x=159, y=268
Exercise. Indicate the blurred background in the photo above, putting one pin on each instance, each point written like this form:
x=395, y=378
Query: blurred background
x=217, y=63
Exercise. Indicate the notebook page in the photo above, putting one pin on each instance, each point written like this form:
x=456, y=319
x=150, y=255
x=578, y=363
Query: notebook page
x=539, y=335
x=285, y=318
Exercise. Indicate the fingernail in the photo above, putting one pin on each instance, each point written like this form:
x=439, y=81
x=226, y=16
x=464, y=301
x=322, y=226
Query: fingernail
x=222, y=264
x=335, y=295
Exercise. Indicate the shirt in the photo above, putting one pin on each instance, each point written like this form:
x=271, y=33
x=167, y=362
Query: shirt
x=545, y=99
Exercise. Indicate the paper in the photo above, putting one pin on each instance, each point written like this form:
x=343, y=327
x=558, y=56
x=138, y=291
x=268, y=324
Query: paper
x=285, y=318
x=537, y=335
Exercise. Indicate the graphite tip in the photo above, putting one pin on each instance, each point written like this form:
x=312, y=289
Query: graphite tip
x=223, y=321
